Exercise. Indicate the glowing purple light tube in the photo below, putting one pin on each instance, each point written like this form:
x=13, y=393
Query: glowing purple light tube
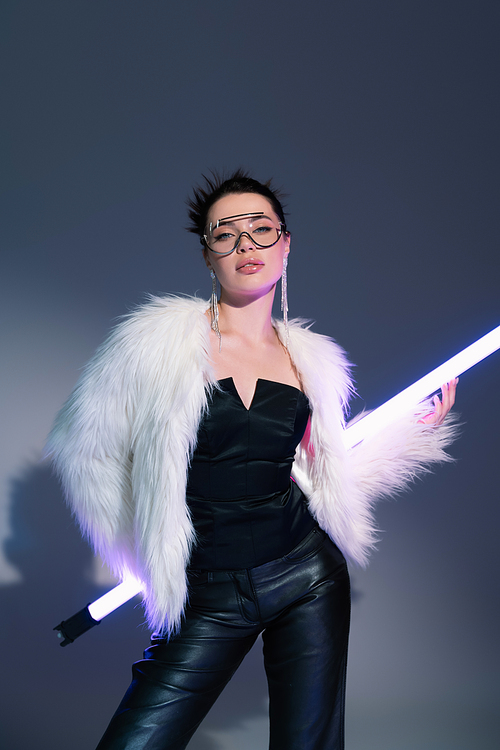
x=415, y=393
x=367, y=426
x=114, y=598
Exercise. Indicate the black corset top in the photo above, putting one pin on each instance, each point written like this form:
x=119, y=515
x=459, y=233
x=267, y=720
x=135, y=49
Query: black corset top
x=244, y=507
x=247, y=452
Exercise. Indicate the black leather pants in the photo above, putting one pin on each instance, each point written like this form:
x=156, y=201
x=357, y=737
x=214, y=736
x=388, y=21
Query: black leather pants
x=300, y=603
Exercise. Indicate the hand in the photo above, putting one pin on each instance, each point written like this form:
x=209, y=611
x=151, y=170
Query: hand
x=441, y=407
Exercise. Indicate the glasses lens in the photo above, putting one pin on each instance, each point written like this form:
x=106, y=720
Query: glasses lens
x=262, y=231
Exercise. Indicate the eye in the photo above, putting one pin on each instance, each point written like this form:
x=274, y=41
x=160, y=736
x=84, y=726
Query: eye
x=262, y=229
x=223, y=236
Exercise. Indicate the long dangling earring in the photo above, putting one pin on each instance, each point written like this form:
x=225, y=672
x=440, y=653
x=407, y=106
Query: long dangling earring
x=284, y=298
x=214, y=308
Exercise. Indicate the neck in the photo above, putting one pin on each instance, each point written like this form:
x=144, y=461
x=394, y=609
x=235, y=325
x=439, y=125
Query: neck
x=248, y=318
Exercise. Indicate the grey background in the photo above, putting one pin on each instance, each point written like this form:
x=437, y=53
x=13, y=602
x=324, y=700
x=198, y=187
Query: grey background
x=381, y=121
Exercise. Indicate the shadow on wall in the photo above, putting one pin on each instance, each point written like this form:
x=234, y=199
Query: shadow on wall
x=64, y=697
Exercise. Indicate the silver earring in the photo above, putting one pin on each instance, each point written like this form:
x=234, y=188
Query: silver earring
x=284, y=298
x=214, y=308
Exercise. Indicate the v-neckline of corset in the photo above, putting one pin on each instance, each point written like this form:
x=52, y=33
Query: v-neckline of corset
x=259, y=380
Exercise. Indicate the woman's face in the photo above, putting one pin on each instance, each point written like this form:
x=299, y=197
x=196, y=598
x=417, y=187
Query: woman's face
x=250, y=271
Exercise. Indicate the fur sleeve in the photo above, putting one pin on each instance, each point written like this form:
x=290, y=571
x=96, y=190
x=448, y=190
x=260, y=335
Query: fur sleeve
x=122, y=442
x=342, y=485
x=390, y=460
x=90, y=449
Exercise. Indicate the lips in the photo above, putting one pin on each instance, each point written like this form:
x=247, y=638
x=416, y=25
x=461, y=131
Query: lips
x=249, y=262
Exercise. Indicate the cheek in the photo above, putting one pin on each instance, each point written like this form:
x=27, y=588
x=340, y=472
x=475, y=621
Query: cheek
x=276, y=267
x=222, y=272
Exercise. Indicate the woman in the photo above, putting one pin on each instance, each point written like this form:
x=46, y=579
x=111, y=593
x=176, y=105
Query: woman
x=176, y=451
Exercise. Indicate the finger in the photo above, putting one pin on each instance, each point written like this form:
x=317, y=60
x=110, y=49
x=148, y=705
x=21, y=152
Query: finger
x=439, y=403
x=428, y=419
x=434, y=416
x=431, y=417
x=445, y=396
x=453, y=390
x=449, y=394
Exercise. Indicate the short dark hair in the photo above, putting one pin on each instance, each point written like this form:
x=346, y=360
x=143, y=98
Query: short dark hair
x=216, y=186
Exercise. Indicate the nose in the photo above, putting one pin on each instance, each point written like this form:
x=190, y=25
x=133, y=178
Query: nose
x=244, y=243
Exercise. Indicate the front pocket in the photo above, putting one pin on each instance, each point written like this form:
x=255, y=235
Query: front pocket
x=307, y=547
x=198, y=578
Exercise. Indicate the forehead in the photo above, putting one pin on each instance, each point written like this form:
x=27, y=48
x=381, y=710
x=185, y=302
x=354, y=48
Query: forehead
x=235, y=204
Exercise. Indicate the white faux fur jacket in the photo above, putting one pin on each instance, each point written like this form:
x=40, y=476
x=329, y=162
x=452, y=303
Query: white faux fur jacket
x=123, y=441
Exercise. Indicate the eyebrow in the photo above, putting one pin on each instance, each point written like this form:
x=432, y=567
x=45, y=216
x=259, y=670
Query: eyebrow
x=237, y=217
